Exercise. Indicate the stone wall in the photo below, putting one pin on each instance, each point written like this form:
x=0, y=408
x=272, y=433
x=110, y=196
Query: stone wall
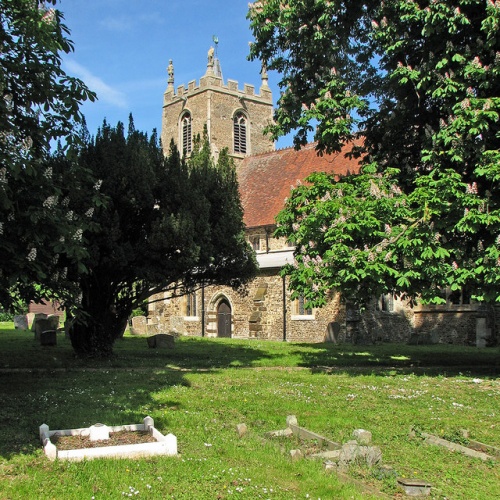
x=256, y=312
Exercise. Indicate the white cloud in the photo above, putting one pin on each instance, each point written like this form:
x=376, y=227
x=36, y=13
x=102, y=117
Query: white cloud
x=104, y=92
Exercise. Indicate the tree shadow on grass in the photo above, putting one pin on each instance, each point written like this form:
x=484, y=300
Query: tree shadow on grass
x=192, y=353
x=390, y=359
x=77, y=399
x=68, y=393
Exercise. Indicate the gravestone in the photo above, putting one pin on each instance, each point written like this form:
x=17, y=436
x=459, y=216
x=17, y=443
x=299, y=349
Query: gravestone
x=139, y=325
x=483, y=333
x=54, y=321
x=37, y=317
x=161, y=341
x=153, y=328
x=48, y=337
x=30, y=317
x=21, y=322
x=41, y=325
x=332, y=333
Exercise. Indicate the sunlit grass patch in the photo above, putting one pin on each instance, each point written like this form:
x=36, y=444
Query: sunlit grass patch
x=203, y=388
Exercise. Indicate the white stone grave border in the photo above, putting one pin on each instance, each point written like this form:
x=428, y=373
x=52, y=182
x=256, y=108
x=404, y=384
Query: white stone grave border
x=164, y=445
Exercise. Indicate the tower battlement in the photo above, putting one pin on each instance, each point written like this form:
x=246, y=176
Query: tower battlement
x=216, y=83
x=234, y=117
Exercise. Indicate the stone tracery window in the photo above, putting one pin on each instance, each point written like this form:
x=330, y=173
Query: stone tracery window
x=187, y=141
x=240, y=133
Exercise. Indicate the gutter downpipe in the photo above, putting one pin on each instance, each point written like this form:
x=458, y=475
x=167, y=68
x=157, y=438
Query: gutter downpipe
x=202, y=310
x=284, y=308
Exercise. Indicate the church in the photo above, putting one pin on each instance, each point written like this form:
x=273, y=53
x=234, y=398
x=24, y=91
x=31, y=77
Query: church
x=235, y=118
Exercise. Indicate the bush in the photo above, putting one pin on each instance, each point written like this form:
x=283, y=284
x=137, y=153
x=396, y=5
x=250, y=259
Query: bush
x=6, y=316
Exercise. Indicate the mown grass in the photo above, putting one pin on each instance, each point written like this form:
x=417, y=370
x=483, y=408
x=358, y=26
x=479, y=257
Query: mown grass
x=203, y=388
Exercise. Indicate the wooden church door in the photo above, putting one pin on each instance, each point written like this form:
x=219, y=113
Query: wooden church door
x=224, y=319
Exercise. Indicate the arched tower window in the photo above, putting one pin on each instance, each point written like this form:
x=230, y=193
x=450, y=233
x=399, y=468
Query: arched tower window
x=187, y=142
x=240, y=133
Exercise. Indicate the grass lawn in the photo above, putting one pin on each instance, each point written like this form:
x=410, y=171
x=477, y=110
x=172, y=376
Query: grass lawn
x=203, y=388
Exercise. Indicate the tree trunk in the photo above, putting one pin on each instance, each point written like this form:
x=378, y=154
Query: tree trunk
x=89, y=338
x=98, y=324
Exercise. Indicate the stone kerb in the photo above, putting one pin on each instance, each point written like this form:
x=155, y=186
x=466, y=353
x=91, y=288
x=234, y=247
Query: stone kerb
x=355, y=449
x=164, y=445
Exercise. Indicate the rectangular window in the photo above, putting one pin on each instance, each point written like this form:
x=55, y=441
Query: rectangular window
x=299, y=308
x=191, y=305
x=255, y=242
x=458, y=297
x=386, y=303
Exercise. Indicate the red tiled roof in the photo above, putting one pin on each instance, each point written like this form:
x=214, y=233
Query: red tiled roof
x=265, y=180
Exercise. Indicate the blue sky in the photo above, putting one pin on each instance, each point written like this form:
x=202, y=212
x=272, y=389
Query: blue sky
x=122, y=50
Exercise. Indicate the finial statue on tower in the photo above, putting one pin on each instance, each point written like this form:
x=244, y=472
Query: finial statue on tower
x=170, y=71
x=211, y=57
x=263, y=74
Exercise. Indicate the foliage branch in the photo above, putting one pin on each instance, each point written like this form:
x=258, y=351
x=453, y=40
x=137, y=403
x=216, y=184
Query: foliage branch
x=418, y=83
x=39, y=104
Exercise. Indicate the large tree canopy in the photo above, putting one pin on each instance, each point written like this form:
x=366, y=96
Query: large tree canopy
x=419, y=82
x=39, y=103
x=166, y=225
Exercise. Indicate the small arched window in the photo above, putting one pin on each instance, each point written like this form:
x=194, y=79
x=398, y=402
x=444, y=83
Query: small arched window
x=240, y=133
x=187, y=142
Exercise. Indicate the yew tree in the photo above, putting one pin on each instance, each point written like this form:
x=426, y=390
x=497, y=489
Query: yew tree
x=416, y=86
x=165, y=225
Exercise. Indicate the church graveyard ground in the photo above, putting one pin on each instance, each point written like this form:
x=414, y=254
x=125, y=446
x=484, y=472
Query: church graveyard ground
x=203, y=389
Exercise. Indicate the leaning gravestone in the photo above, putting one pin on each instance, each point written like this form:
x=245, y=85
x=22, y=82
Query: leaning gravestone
x=332, y=334
x=21, y=322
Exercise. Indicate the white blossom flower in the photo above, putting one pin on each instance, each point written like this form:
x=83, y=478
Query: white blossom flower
x=50, y=202
x=31, y=255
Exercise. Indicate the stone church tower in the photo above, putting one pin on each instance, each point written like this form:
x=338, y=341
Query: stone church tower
x=235, y=119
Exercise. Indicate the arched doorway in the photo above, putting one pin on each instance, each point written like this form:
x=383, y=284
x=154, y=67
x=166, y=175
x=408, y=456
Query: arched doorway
x=224, y=319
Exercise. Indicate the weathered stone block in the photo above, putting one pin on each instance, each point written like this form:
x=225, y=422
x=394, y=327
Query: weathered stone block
x=362, y=437
x=415, y=487
x=241, y=429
